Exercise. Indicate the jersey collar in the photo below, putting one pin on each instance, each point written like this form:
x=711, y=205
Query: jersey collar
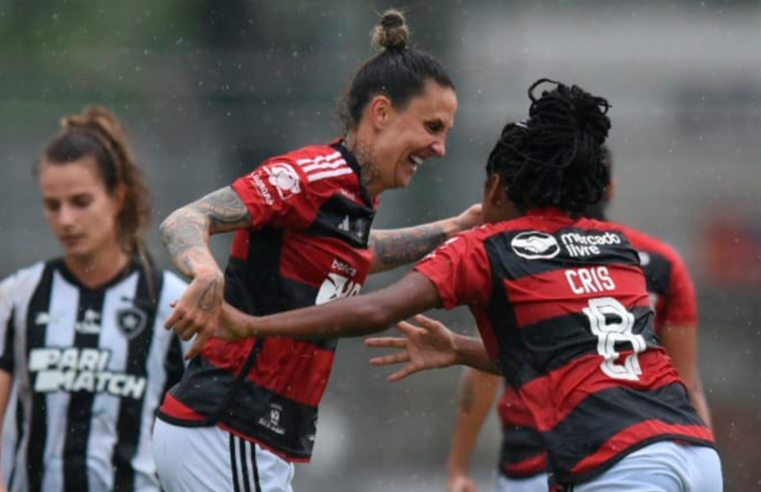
x=547, y=211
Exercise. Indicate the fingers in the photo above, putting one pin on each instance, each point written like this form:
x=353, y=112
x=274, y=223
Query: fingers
x=426, y=322
x=197, y=346
x=403, y=373
x=408, y=328
x=173, y=318
x=389, y=359
x=386, y=342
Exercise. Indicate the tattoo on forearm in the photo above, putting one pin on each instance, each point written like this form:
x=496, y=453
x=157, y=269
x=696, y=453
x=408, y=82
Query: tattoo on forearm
x=398, y=247
x=185, y=232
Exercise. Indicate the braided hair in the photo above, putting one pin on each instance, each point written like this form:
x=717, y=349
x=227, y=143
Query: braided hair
x=555, y=158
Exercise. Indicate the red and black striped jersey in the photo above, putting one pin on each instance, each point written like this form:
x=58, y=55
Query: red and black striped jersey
x=672, y=296
x=307, y=244
x=563, y=309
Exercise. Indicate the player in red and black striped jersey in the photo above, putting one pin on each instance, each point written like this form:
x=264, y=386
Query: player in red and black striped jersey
x=562, y=308
x=303, y=236
x=523, y=461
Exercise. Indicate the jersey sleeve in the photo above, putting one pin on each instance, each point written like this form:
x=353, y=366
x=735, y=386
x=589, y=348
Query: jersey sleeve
x=7, y=328
x=278, y=194
x=460, y=271
x=681, y=307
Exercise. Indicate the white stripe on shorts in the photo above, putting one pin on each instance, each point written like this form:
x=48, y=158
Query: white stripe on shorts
x=245, y=474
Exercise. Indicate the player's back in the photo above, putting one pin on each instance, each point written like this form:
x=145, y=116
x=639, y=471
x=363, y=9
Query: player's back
x=569, y=319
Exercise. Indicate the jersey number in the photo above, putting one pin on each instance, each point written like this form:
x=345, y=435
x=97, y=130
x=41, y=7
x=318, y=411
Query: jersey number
x=612, y=323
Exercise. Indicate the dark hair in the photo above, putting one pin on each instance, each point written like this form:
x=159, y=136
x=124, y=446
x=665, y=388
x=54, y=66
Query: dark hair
x=555, y=158
x=398, y=71
x=98, y=133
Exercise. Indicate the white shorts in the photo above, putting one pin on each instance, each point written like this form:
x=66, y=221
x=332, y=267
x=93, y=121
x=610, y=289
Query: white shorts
x=210, y=459
x=661, y=467
x=537, y=483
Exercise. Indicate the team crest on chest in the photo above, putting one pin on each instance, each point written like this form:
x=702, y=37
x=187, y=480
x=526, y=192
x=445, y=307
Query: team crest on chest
x=131, y=321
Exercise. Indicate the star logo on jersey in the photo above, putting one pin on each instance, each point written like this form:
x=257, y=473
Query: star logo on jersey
x=535, y=245
x=131, y=321
x=285, y=180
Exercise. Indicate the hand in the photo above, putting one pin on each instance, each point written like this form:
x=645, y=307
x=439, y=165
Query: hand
x=198, y=311
x=470, y=218
x=461, y=483
x=429, y=346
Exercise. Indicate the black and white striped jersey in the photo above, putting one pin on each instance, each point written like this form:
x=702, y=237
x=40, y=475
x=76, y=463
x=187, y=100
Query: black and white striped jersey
x=91, y=367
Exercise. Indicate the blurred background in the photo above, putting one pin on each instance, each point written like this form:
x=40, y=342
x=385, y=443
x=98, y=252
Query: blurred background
x=211, y=88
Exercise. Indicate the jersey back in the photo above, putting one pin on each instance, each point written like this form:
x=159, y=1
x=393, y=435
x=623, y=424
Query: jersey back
x=672, y=296
x=563, y=309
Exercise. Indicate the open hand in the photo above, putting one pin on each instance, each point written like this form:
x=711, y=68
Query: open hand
x=429, y=346
x=198, y=312
x=461, y=483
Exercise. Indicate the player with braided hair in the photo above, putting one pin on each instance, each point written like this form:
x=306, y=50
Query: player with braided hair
x=523, y=459
x=562, y=308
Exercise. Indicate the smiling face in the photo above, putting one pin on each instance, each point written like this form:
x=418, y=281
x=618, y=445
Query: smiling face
x=405, y=137
x=78, y=208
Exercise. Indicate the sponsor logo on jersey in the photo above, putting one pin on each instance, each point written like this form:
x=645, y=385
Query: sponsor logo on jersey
x=535, y=245
x=131, y=321
x=336, y=286
x=273, y=422
x=90, y=325
x=285, y=180
x=588, y=244
x=342, y=267
x=81, y=369
x=261, y=187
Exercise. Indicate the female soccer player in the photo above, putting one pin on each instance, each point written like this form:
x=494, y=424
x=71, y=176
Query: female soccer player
x=245, y=411
x=562, y=308
x=81, y=335
x=523, y=460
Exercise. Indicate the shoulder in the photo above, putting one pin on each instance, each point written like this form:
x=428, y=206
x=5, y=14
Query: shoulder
x=22, y=280
x=16, y=289
x=643, y=241
x=315, y=168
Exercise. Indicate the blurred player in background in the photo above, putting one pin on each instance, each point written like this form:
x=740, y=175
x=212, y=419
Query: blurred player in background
x=522, y=460
x=245, y=411
x=82, y=335
x=561, y=305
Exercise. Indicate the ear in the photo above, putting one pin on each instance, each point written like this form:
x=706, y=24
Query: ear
x=120, y=195
x=610, y=191
x=495, y=193
x=380, y=111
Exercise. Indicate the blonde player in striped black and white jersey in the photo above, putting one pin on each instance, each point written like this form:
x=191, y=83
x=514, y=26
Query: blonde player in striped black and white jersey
x=81, y=336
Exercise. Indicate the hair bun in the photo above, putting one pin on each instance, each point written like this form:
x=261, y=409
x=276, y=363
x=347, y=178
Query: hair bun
x=98, y=120
x=392, y=32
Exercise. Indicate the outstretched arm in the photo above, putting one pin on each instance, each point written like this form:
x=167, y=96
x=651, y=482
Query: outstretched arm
x=431, y=346
x=475, y=399
x=186, y=234
x=395, y=247
x=349, y=317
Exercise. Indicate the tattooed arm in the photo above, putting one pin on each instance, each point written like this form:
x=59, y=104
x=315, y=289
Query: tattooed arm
x=186, y=234
x=476, y=397
x=396, y=247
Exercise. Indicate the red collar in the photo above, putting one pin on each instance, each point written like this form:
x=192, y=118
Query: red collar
x=547, y=211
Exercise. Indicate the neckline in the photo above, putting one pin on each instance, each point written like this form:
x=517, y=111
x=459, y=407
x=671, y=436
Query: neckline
x=351, y=160
x=60, y=265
